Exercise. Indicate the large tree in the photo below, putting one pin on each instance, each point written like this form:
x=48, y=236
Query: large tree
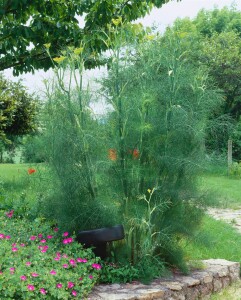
x=18, y=110
x=26, y=25
x=213, y=39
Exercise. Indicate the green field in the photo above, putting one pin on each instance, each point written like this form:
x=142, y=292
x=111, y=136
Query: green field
x=224, y=190
x=16, y=182
x=215, y=239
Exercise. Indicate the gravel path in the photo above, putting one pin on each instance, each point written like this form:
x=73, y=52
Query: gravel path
x=231, y=216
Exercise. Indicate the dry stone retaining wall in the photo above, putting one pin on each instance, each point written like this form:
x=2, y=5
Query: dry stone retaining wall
x=216, y=275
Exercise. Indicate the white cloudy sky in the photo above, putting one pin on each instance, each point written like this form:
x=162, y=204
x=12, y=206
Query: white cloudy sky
x=161, y=17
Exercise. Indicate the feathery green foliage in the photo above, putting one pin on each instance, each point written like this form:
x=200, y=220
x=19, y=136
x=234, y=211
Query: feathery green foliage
x=156, y=132
x=72, y=154
x=141, y=163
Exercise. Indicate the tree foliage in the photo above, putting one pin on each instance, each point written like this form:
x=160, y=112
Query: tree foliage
x=213, y=39
x=18, y=110
x=27, y=25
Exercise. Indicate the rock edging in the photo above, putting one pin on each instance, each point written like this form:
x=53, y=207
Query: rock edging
x=216, y=275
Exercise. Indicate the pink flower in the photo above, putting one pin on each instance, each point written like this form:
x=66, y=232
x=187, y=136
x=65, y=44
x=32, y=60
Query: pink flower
x=44, y=248
x=79, y=260
x=65, y=256
x=40, y=235
x=70, y=285
x=35, y=274
x=49, y=236
x=90, y=277
x=70, y=240
x=43, y=241
x=12, y=269
x=14, y=249
x=14, y=244
x=96, y=266
x=53, y=272
x=65, y=266
x=84, y=260
x=57, y=258
x=56, y=229
x=65, y=234
x=59, y=285
x=22, y=245
x=43, y=291
x=2, y=236
x=74, y=293
x=72, y=262
x=58, y=254
x=80, y=278
x=28, y=263
x=30, y=287
x=32, y=238
x=7, y=237
x=1, y=272
x=10, y=214
x=23, y=277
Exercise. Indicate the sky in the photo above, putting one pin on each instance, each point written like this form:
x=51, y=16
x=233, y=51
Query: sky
x=161, y=17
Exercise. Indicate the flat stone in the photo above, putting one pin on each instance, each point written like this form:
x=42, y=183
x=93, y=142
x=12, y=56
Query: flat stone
x=111, y=296
x=139, y=286
x=218, y=270
x=115, y=286
x=203, y=276
x=94, y=296
x=151, y=294
x=192, y=293
x=208, y=279
x=173, y=285
x=189, y=281
x=220, y=262
x=217, y=285
x=205, y=290
x=177, y=296
x=225, y=281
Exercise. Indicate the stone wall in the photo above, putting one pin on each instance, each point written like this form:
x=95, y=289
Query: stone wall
x=200, y=284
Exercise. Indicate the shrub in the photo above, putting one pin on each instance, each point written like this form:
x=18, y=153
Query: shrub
x=38, y=262
x=155, y=136
x=235, y=169
x=140, y=164
x=72, y=136
x=117, y=273
x=33, y=149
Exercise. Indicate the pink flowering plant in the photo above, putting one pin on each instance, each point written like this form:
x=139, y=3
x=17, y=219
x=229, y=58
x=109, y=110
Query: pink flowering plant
x=39, y=262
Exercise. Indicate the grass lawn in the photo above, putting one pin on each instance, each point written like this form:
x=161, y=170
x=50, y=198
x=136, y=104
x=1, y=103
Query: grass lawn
x=224, y=190
x=215, y=239
x=16, y=181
